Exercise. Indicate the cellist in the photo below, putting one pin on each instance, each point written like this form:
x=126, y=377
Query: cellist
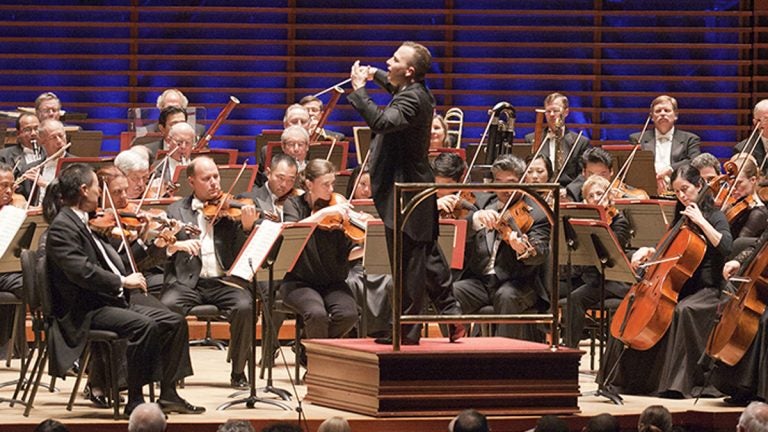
x=669, y=368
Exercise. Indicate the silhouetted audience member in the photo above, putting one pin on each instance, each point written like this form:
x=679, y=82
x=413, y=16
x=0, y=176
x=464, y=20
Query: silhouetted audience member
x=469, y=421
x=602, y=423
x=51, y=425
x=550, y=423
x=655, y=418
x=282, y=427
x=754, y=418
x=147, y=417
x=334, y=424
x=236, y=426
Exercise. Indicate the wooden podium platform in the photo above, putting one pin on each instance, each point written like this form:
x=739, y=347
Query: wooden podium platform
x=497, y=376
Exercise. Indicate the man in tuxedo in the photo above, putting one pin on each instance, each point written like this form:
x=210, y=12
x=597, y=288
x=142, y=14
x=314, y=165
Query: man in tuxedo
x=399, y=153
x=559, y=140
x=26, y=147
x=295, y=142
x=53, y=138
x=504, y=272
x=759, y=117
x=594, y=161
x=282, y=173
x=136, y=169
x=196, y=276
x=89, y=291
x=672, y=147
x=48, y=106
x=179, y=142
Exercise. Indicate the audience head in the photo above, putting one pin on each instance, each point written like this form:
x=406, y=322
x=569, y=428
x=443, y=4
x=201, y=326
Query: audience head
x=27, y=125
x=147, y=417
x=603, y=423
x=550, y=423
x=754, y=418
x=233, y=425
x=282, y=427
x=48, y=106
x=334, y=424
x=655, y=418
x=469, y=421
x=172, y=97
x=51, y=425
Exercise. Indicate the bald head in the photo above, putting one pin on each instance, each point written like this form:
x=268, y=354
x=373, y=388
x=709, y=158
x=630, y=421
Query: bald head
x=181, y=135
x=52, y=135
x=147, y=417
x=754, y=418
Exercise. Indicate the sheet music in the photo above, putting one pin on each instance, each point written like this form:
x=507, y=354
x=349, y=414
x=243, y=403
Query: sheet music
x=256, y=250
x=13, y=218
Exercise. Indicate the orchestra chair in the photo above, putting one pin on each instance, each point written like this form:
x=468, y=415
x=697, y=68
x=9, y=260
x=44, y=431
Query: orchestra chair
x=597, y=318
x=454, y=118
x=19, y=309
x=207, y=313
x=290, y=312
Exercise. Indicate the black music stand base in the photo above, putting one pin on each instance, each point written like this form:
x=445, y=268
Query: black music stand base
x=253, y=399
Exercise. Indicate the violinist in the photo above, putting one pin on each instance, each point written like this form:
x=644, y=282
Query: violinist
x=759, y=117
x=745, y=211
x=559, y=139
x=504, y=272
x=195, y=277
x=539, y=169
x=136, y=169
x=708, y=166
x=316, y=287
x=52, y=138
x=449, y=169
x=10, y=282
x=594, y=161
x=588, y=294
x=89, y=290
x=669, y=368
x=363, y=190
x=282, y=175
x=747, y=380
x=315, y=108
x=671, y=147
x=27, y=151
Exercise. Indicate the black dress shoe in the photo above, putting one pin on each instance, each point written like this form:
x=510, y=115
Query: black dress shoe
x=457, y=331
x=99, y=401
x=238, y=381
x=179, y=406
x=737, y=400
x=387, y=340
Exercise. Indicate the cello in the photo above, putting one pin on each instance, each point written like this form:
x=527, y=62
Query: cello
x=738, y=321
x=646, y=312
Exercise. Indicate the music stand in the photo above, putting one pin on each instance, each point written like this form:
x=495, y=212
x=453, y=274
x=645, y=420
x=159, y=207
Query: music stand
x=642, y=172
x=272, y=250
x=649, y=219
x=599, y=247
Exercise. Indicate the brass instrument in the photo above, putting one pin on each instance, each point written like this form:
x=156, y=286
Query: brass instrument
x=501, y=131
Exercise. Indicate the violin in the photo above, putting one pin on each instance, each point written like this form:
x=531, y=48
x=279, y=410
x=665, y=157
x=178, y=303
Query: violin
x=516, y=218
x=737, y=322
x=152, y=225
x=624, y=190
x=466, y=203
x=225, y=206
x=354, y=227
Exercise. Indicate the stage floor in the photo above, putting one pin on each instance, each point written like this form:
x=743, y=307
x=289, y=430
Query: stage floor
x=209, y=387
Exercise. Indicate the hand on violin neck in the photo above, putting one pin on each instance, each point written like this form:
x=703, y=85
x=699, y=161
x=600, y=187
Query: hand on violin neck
x=446, y=204
x=485, y=219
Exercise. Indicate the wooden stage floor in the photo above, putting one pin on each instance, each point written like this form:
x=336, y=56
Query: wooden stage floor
x=209, y=387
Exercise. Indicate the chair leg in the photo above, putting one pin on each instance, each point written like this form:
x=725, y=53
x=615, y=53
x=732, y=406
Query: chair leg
x=39, y=364
x=17, y=312
x=112, y=370
x=23, y=382
x=297, y=345
x=86, y=359
x=31, y=400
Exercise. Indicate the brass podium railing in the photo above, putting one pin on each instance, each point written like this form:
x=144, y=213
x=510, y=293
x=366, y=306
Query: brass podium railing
x=425, y=190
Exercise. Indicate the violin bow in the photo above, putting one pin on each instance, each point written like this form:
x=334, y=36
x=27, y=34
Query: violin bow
x=119, y=224
x=229, y=191
x=622, y=174
x=743, y=155
x=360, y=174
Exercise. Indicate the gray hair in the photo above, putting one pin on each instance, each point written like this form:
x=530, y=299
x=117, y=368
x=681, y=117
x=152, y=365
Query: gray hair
x=161, y=98
x=293, y=131
x=129, y=161
x=147, y=417
x=760, y=106
x=754, y=418
x=47, y=126
x=509, y=162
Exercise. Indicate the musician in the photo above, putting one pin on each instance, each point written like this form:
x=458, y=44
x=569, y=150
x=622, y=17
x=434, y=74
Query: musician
x=171, y=97
x=316, y=286
x=52, y=138
x=539, y=169
x=48, y=106
x=26, y=144
x=759, y=117
x=282, y=175
x=594, y=161
x=363, y=190
x=297, y=115
x=588, y=294
x=314, y=107
x=672, y=147
x=745, y=211
x=195, y=278
x=556, y=111
x=669, y=368
x=449, y=169
x=169, y=116
x=9, y=282
x=136, y=170
x=438, y=137
x=294, y=142
x=708, y=166
x=748, y=379
x=89, y=291
x=179, y=142
x=504, y=272
x=399, y=153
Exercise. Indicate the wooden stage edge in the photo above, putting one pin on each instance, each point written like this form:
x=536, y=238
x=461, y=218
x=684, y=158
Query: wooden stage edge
x=209, y=388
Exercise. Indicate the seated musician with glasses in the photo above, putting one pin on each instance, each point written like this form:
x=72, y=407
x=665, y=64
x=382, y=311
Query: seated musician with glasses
x=26, y=151
x=52, y=138
x=502, y=266
x=196, y=276
x=135, y=167
x=178, y=142
x=315, y=109
x=758, y=144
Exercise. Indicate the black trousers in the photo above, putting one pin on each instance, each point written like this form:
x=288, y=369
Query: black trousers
x=425, y=271
x=158, y=342
x=12, y=283
x=329, y=311
x=233, y=302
